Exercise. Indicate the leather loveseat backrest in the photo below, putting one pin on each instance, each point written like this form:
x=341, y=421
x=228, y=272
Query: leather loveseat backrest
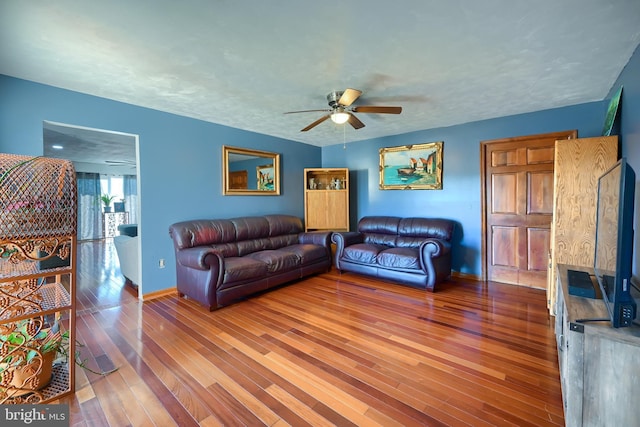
x=379, y=230
x=413, y=231
x=404, y=232
x=426, y=227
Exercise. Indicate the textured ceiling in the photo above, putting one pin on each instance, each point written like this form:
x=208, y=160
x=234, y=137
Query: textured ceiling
x=244, y=63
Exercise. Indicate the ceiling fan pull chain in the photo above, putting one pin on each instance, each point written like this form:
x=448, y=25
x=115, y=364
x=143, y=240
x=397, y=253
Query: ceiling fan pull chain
x=344, y=137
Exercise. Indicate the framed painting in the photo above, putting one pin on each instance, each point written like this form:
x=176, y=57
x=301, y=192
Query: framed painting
x=411, y=167
x=265, y=177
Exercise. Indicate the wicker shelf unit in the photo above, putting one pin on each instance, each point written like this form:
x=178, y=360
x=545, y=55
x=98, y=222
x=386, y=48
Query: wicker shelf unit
x=38, y=218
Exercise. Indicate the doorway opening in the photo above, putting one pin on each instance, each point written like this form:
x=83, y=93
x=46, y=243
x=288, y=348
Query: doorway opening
x=106, y=163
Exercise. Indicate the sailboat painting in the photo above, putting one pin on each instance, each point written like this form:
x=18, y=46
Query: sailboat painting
x=264, y=177
x=411, y=167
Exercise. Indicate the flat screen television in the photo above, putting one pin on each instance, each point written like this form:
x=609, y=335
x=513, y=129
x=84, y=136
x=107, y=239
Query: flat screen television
x=614, y=242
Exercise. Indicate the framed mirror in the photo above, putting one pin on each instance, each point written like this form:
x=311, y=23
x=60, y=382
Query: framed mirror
x=248, y=172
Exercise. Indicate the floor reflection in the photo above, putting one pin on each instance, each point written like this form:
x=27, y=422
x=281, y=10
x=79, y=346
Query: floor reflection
x=99, y=282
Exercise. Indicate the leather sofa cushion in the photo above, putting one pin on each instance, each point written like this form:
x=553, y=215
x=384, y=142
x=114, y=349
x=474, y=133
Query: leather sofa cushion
x=227, y=250
x=284, y=224
x=242, y=268
x=246, y=247
x=380, y=239
x=202, y=232
x=130, y=230
x=283, y=241
x=276, y=261
x=409, y=242
x=379, y=224
x=399, y=258
x=279, y=230
x=307, y=253
x=251, y=227
x=365, y=253
x=426, y=227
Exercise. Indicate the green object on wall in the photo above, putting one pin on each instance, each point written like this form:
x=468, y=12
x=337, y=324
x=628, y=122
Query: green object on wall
x=611, y=113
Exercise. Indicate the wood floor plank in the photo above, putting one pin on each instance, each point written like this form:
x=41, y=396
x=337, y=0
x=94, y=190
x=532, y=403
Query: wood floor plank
x=333, y=349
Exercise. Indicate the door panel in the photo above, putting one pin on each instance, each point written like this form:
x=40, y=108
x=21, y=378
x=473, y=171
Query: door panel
x=505, y=191
x=518, y=207
x=505, y=242
x=238, y=180
x=538, y=250
x=540, y=193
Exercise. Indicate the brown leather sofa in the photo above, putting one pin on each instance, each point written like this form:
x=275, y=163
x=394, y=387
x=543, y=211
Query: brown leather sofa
x=219, y=261
x=413, y=251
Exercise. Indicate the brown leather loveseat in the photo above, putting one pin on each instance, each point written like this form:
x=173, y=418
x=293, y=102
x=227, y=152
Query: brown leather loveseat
x=413, y=251
x=219, y=261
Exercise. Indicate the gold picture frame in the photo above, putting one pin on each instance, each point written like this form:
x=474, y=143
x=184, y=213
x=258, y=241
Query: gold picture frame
x=236, y=164
x=411, y=167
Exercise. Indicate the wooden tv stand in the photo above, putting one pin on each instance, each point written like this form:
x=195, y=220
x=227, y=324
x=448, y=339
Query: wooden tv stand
x=599, y=364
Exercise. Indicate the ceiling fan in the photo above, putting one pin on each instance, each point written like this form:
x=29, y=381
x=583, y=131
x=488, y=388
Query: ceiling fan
x=130, y=163
x=342, y=112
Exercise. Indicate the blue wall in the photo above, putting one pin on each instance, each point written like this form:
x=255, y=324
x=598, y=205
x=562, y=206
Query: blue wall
x=179, y=167
x=629, y=128
x=460, y=197
x=180, y=162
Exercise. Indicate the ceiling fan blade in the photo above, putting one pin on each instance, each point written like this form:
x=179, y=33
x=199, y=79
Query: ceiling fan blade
x=355, y=122
x=349, y=96
x=305, y=111
x=316, y=123
x=120, y=162
x=377, y=109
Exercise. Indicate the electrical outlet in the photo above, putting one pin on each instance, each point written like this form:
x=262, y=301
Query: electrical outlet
x=161, y=263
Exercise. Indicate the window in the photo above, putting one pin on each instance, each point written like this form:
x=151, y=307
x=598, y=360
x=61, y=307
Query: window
x=112, y=185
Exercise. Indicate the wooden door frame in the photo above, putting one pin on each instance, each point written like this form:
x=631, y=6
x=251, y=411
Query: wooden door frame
x=568, y=134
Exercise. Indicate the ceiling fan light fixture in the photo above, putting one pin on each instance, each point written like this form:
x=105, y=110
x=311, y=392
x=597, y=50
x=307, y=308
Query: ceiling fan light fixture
x=340, y=117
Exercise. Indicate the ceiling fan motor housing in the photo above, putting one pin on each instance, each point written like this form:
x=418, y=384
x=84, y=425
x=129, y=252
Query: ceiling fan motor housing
x=333, y=98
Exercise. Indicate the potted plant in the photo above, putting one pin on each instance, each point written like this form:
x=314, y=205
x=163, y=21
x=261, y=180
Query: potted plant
x=28, y=351
x=27, y=354
x=106, y=200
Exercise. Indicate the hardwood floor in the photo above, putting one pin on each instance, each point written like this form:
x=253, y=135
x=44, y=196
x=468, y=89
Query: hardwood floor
x=330, y=350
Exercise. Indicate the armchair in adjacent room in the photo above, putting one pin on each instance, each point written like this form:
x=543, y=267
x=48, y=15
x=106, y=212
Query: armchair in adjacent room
x=127, y=243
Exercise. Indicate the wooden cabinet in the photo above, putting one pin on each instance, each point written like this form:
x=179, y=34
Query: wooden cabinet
x=598, y=363
x=38, y=206
x=326, y=199
x=578, y=164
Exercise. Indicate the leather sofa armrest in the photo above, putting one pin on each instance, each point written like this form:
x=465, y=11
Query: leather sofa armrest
x=342, y=240
x=201, y=258
x=432, y=248
x=346, y=238
x=435, y=254
x=322, y=238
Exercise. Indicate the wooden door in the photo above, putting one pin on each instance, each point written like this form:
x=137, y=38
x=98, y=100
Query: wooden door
x=518, y=207
x=238, y=180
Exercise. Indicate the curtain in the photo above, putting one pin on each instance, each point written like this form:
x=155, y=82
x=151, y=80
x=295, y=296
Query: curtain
x=89, y=213
x=130, y=189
